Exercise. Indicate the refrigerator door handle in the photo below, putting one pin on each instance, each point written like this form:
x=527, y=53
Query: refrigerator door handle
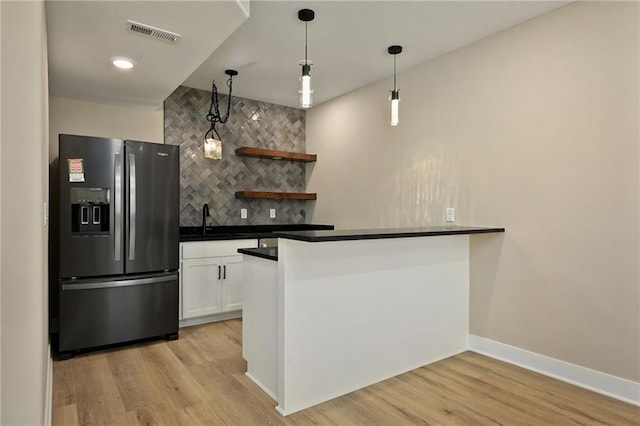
x=117, y=240
x=111, y=284
x=132, y=206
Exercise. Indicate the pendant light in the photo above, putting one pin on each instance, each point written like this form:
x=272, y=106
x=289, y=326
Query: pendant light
x=306, y=93
x=212, y=140
x=395, y=93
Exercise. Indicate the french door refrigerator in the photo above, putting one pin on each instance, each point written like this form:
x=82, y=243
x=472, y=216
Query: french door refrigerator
x=118, y=242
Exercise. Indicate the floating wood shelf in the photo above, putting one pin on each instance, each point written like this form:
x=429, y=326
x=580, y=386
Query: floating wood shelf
x=276, y=195
x=247, y=151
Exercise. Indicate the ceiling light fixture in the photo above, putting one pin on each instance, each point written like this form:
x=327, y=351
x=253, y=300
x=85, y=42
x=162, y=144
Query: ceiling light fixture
x=212, y=140
x=306, y=15
x=123, y=63
x=395, y=93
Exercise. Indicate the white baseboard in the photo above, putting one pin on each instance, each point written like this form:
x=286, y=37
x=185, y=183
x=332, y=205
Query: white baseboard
x=261, y=386
x=606, y=384
x=48, y=397
x=188, y=322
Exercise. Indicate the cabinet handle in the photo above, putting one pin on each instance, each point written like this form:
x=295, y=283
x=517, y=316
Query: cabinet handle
x=218, y=271
x=224, y=272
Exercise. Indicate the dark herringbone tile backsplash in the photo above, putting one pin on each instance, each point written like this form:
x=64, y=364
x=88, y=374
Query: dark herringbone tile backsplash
x=252, y=123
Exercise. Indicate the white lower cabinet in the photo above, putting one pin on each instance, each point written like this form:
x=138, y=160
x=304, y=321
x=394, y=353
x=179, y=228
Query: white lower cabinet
x=232, y=284
x=211, y=277
x=200, y=287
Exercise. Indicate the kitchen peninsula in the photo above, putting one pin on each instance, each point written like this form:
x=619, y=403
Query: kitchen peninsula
x=329, y=312
x=211, y=268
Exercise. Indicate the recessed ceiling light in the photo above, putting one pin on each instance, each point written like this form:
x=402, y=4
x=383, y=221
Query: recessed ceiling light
x=123, y=63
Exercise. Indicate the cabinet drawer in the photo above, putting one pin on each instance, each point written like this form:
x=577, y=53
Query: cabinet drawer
x=200, y=249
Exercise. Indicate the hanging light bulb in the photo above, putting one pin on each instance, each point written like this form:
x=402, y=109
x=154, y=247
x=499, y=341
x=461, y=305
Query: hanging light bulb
x=395, y=93
x=395, y=107
x=306, y=93
x=305, y=87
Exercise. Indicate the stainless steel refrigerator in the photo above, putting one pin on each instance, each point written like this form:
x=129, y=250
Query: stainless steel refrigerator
x=118, y=239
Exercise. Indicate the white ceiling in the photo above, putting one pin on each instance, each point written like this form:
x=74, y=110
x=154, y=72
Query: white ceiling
x=82, y=36
x=348, y=43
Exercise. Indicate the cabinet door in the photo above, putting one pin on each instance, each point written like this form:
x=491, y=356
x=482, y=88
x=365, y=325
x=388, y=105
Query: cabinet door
x=201, y=287
x=232, y=285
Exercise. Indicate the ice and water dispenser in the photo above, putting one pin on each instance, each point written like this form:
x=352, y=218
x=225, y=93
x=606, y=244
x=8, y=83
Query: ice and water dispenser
x=90, y=210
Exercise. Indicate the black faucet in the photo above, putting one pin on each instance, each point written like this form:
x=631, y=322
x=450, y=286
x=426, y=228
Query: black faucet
x=205, y=215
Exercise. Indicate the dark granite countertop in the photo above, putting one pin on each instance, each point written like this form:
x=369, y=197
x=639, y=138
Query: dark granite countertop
x=314, y=236
x=238, y=232
x=269, y=253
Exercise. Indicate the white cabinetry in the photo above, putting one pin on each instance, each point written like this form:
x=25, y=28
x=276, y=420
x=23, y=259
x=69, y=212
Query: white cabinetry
x=211, y=279
x=232, y=284
x=200, y=287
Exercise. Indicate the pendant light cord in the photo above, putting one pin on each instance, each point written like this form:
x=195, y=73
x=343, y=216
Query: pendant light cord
x=213, y=116
x=394, y=72
x=305, y=43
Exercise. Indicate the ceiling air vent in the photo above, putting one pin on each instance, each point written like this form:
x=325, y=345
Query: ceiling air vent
x=153, y=32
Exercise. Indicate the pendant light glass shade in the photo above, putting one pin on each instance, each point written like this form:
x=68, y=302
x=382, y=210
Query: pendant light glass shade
x=306, y=93
x=213, y=148
x=395, y=93
x=395, y=107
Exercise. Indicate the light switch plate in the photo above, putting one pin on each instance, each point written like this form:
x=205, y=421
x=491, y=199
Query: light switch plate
x=272, y=213
x=243, y=213
x=451, y=217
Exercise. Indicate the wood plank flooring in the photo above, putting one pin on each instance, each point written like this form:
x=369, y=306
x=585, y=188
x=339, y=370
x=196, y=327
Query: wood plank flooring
x=199, y=380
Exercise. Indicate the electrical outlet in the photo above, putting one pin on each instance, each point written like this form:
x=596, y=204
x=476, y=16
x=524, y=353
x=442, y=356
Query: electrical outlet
x=451, y=217
x=243, y=213
x=272, y=213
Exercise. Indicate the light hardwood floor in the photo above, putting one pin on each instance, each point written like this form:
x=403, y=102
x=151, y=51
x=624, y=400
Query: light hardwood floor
x=199, y=380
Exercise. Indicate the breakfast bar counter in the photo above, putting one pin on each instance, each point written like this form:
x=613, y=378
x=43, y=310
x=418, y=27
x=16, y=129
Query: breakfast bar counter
x=333, y=311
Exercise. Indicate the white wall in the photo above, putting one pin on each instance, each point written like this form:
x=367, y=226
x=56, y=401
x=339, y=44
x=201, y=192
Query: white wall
x=24, y=352
x=535, y=129
x=0, y=211
x=91, y=119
